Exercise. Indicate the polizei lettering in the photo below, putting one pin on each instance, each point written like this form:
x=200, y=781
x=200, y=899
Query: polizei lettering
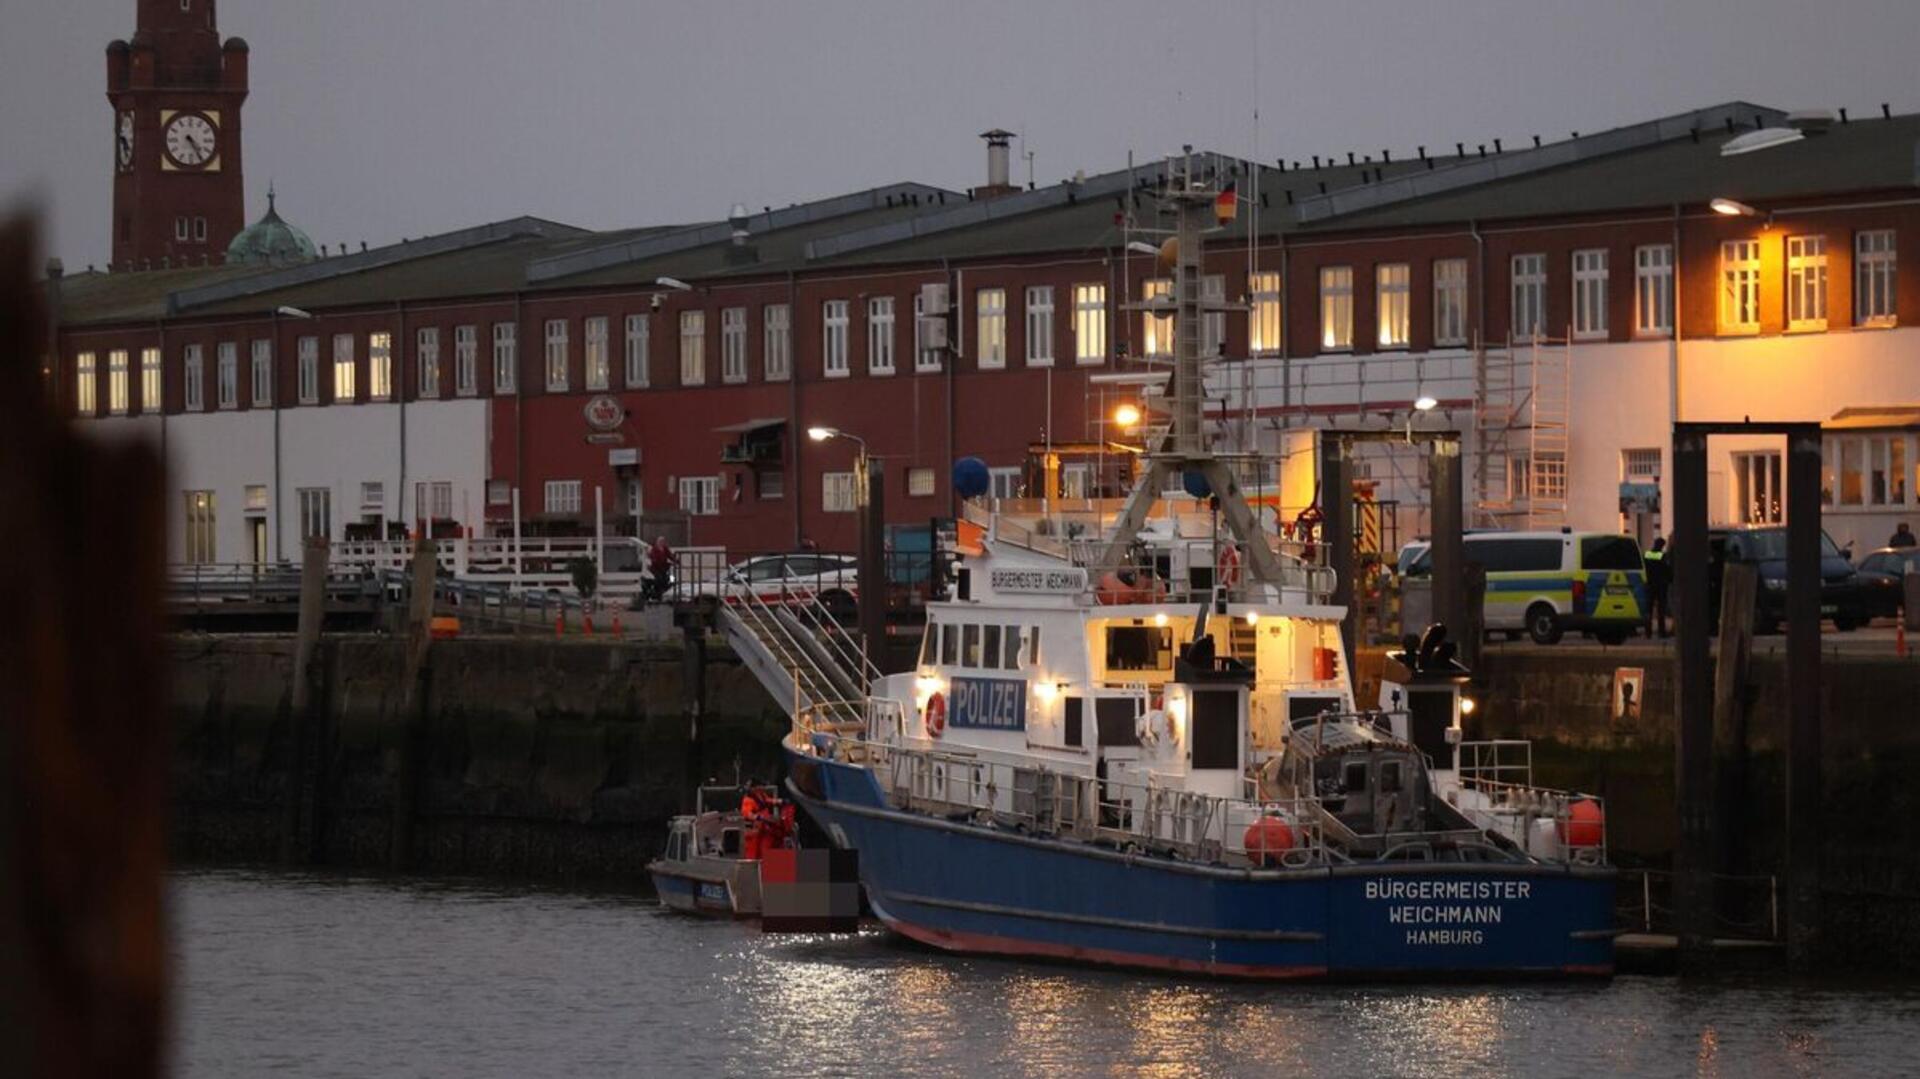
x=1447, y=912
x=994, y=704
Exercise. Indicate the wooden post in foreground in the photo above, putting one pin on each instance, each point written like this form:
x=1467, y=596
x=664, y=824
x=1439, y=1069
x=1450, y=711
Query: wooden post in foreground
x=413, y=705
x=302, y=763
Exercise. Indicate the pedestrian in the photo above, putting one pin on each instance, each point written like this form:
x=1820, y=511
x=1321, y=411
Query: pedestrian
x=660, y=561
x=1902, y=536
x=1659, y=579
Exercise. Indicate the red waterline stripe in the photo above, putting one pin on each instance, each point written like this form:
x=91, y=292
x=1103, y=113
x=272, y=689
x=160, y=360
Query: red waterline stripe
x=997, y=945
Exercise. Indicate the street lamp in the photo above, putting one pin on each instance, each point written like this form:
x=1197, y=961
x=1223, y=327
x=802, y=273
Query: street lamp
x=1127, y=416
x=1733, y=208
x=869, y=499
x=821, y=434
x=1423, y=405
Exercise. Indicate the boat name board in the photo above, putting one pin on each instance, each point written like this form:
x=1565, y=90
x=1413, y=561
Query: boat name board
x=991, y=704
x=1039, y=581
x=1446, y=912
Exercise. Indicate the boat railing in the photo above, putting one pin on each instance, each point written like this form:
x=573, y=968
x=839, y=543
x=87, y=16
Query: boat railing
x=1550, y=822
x=1038, y=800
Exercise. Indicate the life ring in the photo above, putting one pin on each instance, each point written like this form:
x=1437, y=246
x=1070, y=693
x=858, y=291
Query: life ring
x=1227, y=566
x=1155, y=727
x=935, y=716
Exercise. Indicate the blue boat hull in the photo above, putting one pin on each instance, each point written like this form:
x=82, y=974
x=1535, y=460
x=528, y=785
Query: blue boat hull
x=969, y=888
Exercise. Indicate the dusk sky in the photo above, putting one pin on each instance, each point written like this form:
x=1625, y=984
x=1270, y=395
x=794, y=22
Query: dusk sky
x=378, y=119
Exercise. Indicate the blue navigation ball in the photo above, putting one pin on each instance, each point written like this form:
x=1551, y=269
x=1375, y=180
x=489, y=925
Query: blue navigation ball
x=1195, y=484
x=970, y=477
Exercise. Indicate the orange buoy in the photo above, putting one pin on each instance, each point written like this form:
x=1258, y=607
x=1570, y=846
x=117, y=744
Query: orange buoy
x=1585, y=826
x=1267, y=839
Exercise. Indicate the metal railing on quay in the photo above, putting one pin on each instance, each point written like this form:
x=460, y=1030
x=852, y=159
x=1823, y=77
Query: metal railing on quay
x=1747, y=907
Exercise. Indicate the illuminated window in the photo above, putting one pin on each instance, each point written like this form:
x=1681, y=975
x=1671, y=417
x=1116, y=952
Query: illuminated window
x=1653, y=290
x=1590, y=293
x=693, y=348
x=466, y=355
x=262, y=373
x=85, y=385
x=700, y=495
x=1450, y=301
x=1263, y=322
x=836, y=492
x=920, y=482
x=1740, y=286
x=1806, y=282
x=309, y=364
x=1549, y=476
x=556, y=355
x=227, y=381
x=777, y=336
x=506, y=357
x=426, y=347
x=1529, y=296
x=150, y=399
x=1336, y=308
x=1873, y=278
x=193, y=378
x=597, y=362
x=561, y=496
x=343, y=367
x=834, y=334
x=379, y=366
x=1040, y=326
x=1758, y=488
x=117, y=382
x=1156, y=329
x=1089, y=324
x=880, y=335
x=1393, y=287
x=638, y=369
x=733, y=344
x=990, y=344
x=200, y=528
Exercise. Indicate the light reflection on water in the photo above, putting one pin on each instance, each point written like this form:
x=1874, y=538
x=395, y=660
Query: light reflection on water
x=340, y=976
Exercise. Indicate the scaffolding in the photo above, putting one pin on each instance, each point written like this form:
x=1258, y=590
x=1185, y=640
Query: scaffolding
x=1523, y=405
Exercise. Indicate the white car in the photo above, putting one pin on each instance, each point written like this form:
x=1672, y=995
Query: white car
x=784, y=578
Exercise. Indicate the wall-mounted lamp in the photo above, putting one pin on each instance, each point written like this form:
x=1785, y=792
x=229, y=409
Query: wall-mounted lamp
x=1733, y=208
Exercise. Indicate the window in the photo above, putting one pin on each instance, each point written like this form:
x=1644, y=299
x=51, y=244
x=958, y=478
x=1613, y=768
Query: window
x=733, y=344
x=1758, y=488
x=343, y=367
x=1156, y=329
x=1040, y=326
x=926, y=356
x=200, y=230
x=1393, y=285
x=834, y=333
x=637, y=365
x=499, y=493
x=426, y=347
x=506, y=357
x=262, y=373
x=1872, y=470
x=777, y=341
x=181, y=229
x=373, y=497
x=561, y=496
x=1806, y=282
x=1549, y=476
x=556, y=355
x=1263, y=322
x=465, y=359
x=693, y=348
x=193, y=378
x=1073, y=481
x=772, y=485
x=1213, y=324
x=598, y=364
x=309, y=363
x=700, y=495
x=1529, y=296
x=316, y=512
x=433, y=500
x=199, y=537
x=256, y=498
x=228, y=371
x=117, y=382
x=920, y=482
x=880, y=335
x=1653, y=290
x=1590, y=293
x=836, y=492
x=1873, y=278
x=1005, y=481
x=1740, y=286
x=1640, y=465
x=990, y=344
x=1089, y=324
x=1450, y=301
x=1336, y=308
x=379, y=366
x=84, y=387
x=150, y=400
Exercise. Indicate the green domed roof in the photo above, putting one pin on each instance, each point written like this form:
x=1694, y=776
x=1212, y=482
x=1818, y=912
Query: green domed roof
x=270, y=241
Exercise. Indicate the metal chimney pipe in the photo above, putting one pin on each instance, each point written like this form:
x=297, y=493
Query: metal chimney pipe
x=998, y=165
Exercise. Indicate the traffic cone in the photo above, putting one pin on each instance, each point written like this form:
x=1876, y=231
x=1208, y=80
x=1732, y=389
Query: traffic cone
x=588, y=620
x=560, y=624
x=616, y=624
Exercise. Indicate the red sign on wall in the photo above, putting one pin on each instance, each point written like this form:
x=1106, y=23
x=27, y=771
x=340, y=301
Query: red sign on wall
x=604, y=413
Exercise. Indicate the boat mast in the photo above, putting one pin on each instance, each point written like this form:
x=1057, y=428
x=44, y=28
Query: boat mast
x=1185, y=449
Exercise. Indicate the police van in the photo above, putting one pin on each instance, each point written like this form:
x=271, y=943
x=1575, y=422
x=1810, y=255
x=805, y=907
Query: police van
x=1545, y=583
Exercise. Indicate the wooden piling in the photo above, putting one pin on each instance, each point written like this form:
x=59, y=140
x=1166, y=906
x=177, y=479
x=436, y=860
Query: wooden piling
x=412, y=713
x=298, y=822
x=1739, y=589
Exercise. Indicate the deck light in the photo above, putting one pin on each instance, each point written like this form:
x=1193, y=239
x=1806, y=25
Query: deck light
x=1733, y=208
x=1127, y=416
x=1159, y=619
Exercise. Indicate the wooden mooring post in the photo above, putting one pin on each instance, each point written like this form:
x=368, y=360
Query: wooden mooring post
x=412, y=715
x=306, y=766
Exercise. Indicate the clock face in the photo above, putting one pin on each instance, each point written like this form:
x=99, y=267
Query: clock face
x=190, y=140
x=123, y=140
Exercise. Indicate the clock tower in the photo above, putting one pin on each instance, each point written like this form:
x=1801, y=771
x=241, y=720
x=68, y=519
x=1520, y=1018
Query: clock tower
x=176, y=90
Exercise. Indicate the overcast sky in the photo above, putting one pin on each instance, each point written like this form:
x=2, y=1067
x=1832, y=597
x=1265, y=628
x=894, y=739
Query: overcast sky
x=379, y=119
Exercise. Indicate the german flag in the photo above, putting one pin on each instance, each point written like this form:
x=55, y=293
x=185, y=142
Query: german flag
x=1226, y=206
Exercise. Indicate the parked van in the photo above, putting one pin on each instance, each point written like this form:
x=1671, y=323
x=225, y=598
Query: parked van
x=1545, y=583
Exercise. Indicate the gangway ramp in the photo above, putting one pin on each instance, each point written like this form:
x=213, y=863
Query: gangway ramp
x=801, y=654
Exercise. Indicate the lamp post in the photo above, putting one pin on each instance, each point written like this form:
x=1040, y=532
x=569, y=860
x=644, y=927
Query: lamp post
x=869, y=500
